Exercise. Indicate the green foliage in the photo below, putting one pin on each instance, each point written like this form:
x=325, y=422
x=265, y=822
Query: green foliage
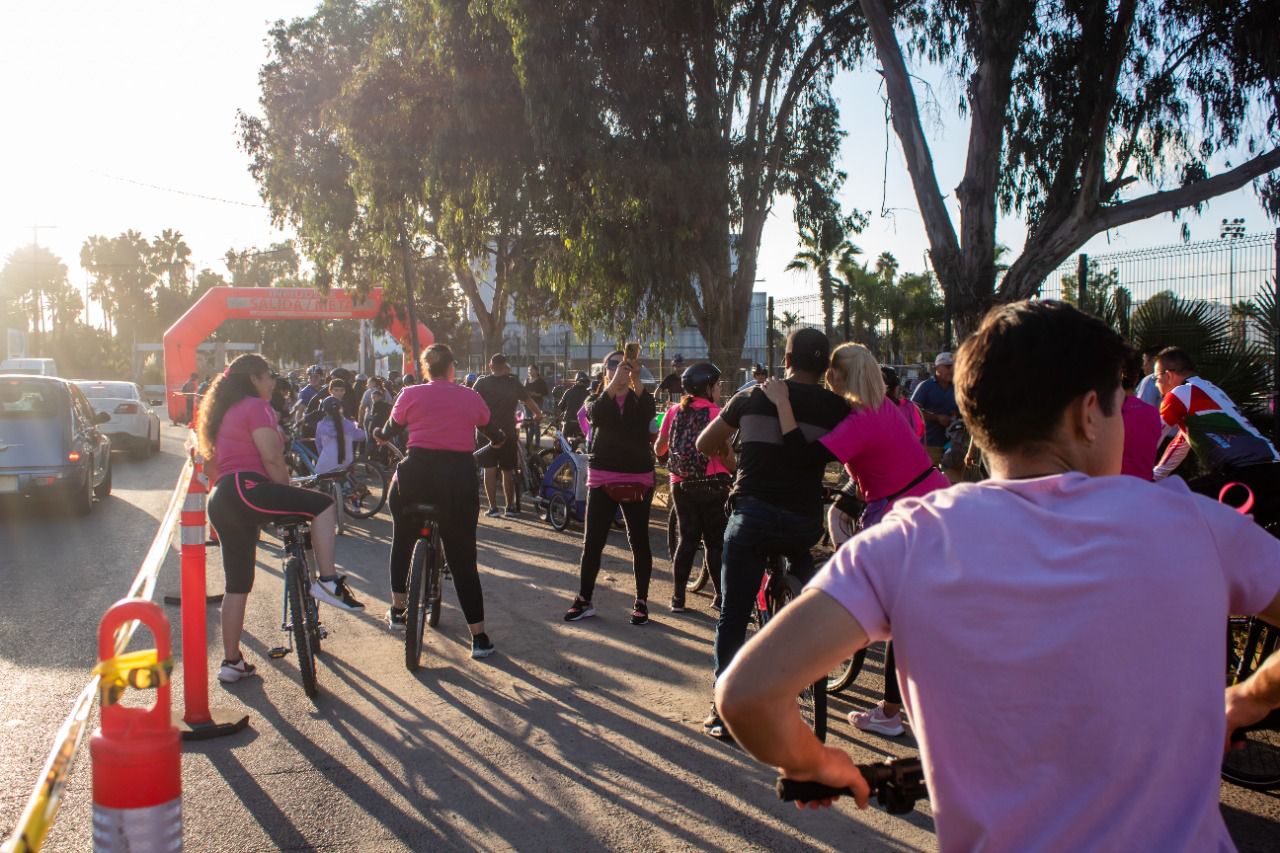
x=1204, y=330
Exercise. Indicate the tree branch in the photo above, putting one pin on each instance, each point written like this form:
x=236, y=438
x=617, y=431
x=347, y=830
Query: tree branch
x=1095, y=161
x=1188, y=196
x=906, y=123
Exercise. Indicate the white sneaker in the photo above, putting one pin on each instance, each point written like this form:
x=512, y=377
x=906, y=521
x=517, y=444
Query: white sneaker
x=233, y=672
x=335, y=592
x=876, y=721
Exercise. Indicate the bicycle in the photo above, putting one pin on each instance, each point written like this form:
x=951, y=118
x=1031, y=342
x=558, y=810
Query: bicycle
x=362, y=493
x=1254, y=759
x=301, y=619
x=896, y=785
x=425, y=570
x=778, y=589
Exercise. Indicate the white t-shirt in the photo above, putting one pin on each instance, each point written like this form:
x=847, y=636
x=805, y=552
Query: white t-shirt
x=1060, y=644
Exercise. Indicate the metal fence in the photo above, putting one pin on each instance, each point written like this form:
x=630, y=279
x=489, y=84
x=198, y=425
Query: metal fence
x=1226, y=272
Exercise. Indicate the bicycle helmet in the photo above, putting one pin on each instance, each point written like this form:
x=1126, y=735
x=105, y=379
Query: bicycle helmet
x=581, y=377
x=315, y=370
x=890, y=376
x=330, y=405
x=698, y=378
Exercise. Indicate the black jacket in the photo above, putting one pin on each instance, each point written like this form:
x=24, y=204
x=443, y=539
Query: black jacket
x=620, y=439
x=571, y=401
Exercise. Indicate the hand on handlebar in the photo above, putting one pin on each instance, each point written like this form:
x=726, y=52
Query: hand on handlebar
x=836, y=770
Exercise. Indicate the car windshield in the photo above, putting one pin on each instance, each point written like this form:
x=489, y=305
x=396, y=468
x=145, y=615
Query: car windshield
x=112, y=390
x=24, y=399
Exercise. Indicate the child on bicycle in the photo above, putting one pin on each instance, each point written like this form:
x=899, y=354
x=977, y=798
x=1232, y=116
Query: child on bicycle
x=1034, y=626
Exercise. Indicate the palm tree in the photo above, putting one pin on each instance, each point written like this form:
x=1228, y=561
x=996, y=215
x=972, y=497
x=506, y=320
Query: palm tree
x=169, y=257
x=823, y=247
x=858, y=286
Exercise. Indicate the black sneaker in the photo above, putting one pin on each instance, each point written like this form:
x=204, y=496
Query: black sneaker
x=396, y=617
x=481, y=646
x=640, y=613
x=580, y=610
x=677, y=605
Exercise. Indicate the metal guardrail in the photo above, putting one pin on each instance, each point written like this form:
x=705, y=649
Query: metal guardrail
x=37, y=818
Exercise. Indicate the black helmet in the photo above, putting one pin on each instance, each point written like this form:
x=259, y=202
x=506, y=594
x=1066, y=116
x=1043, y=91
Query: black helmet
x=698, y=378
x=890, y=377
x=581, y=377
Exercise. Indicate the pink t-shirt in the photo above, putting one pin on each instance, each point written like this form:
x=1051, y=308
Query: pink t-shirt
x=881, y=451
x=1142, y=428
x=234, y=451
x=441, y=416
x=1023, y=614
x=714, y=466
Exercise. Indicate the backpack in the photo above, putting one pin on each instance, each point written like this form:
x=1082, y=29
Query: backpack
x=686, y=461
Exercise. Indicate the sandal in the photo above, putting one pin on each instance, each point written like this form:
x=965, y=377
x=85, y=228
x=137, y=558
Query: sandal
x=715, y=727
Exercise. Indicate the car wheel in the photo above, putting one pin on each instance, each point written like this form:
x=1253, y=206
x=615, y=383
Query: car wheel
x=104, y=489
x=142, y=449
x=82, y=501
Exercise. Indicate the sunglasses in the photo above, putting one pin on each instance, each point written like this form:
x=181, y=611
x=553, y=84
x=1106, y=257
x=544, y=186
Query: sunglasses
x=612, y=364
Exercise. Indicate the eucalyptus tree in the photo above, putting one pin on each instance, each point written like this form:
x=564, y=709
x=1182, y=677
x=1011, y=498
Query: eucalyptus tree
x=1071, y=104
x=667, y=128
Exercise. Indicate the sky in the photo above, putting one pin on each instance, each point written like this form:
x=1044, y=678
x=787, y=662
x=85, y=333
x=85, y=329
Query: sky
x=122, y=116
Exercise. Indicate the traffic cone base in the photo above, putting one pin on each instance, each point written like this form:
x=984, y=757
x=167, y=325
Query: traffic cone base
x=221, y=723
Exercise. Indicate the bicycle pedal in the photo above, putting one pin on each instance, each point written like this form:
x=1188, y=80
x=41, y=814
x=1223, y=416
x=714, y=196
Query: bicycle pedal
x=323, y=631
x=277, y=652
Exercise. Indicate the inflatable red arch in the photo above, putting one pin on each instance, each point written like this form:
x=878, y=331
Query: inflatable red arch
x=264, y=303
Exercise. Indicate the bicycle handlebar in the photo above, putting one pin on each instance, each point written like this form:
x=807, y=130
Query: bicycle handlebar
x=896, y=785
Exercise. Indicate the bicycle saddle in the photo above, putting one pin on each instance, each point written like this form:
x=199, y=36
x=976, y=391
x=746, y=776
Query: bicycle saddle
x=422, y=510
x=291, y=520
x=339, y=474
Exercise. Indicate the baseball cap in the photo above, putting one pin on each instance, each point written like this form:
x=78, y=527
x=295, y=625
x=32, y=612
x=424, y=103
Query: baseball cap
x=944, y=358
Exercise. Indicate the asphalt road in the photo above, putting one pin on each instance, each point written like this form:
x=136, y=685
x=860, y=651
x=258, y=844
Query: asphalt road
x=574, y=736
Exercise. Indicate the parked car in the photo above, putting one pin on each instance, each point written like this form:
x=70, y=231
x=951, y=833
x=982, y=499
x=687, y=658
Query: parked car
x=134, y=424
x=50, y=443
x=30, y=366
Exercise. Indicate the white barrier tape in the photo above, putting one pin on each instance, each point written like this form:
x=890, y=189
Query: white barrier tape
x=192, y=535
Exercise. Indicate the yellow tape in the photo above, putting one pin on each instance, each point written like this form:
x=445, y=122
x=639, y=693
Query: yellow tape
x=140, y=670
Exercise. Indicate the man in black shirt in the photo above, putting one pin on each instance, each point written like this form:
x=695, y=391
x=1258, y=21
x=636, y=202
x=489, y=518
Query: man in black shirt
x=537, y=388
x=776, y=501
x=672, y=385
x=571, y=402
x=502, y=392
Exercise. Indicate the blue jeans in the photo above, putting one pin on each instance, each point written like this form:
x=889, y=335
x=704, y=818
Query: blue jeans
x=756, y=531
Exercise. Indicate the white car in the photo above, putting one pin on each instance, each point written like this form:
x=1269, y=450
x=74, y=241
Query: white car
x=134, y=424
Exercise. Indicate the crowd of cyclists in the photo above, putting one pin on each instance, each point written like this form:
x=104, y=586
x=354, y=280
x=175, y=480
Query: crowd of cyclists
x=1026, y=529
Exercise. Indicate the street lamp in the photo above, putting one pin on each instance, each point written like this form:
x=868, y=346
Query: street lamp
x=1232, y=230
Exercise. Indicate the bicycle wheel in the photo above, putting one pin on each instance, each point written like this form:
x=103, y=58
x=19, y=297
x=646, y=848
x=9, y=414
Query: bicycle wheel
x=813, y=699
x=365, y=489
x=415, y=617
x=1257, y=765
x=435, y=589
x=298, y=619
x=846, y=672
x=558, y=511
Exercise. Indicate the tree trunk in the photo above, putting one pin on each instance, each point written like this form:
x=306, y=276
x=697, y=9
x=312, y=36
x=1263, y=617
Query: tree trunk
x=410, y=286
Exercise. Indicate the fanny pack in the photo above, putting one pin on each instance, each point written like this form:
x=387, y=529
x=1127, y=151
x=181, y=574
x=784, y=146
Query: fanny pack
x=705, y=488
x=626, y=493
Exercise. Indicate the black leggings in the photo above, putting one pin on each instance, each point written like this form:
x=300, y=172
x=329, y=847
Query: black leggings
x=447, y=480
x=699, y=518
x=601, y=510
x=238, y=507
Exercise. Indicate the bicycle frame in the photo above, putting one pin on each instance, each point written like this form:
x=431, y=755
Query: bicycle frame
x=295, y=543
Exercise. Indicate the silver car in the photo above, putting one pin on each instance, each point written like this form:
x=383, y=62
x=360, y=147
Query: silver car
x=134, y=425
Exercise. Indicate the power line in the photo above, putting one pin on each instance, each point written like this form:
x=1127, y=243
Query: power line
x=186, y=193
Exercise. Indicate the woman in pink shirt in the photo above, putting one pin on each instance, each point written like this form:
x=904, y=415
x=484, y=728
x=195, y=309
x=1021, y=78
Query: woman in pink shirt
x=699, y=484
x=1142, y=424
x=240, y=439
x=884, y=457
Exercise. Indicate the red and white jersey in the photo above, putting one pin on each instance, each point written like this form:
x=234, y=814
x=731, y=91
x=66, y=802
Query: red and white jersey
x=1211, y=425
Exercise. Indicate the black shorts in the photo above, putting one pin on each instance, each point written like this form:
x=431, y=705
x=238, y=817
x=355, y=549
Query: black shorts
x=505, y=458
x=238, y=507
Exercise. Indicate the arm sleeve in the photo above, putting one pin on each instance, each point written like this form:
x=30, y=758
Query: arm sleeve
x=732, y=413
x=603, y=410
x=1172, y=410
x=1250, y=557
x=1174, y=455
